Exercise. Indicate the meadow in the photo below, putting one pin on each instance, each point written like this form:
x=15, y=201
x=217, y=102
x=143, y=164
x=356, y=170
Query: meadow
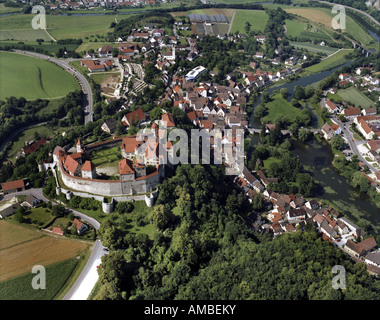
x=355, y=97
x=279, y=107
x=313, y=47
x=33, y=78
x=324, y=17
x=257, y=19
x=335, y=60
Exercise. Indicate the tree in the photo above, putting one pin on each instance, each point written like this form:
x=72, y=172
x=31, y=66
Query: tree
x=160, y=216
x=303, y=134
x=247, y=27
x=284, y=92
x=299, y=92
x=337, y=142
x=360, y=181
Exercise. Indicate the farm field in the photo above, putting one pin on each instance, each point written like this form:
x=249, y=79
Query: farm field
x=33, y=78
x=294, y=28
x=279, y=107
x=79, y=27
x=354, y=96
x=324, y=17
x=331, y=62
x=20, y=252
x=257, y=19
x=19, y=288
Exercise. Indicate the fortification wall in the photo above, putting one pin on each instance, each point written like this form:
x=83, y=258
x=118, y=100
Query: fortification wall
x=94, y=186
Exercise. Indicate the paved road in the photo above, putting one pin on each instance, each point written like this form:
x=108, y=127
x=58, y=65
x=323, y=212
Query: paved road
x=88, y=103
x=89, y=275
x=362, y=12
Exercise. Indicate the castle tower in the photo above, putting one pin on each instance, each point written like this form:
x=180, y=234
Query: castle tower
x=79, y=146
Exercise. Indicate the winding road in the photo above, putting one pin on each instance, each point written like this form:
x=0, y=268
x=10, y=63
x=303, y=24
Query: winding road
x=86, y=88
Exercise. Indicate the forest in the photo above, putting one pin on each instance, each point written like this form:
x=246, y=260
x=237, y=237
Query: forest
x=208, y=250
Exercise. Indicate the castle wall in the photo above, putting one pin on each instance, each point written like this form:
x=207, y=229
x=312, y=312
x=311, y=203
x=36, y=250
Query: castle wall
x=95, y=186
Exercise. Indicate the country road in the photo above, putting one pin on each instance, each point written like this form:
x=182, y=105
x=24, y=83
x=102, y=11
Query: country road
x=88, y=103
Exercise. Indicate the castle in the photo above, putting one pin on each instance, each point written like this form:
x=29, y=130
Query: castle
x=139, y=152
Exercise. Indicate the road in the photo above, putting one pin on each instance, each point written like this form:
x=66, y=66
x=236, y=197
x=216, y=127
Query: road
x=88, y=103
x=348, y=135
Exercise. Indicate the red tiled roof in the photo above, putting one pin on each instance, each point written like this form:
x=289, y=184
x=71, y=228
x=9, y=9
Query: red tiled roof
x=34, y=146
x=16, y=184
x=88, y=166
x=137, y=115
x=168, y=120
x=70, y=164
x=126, y=167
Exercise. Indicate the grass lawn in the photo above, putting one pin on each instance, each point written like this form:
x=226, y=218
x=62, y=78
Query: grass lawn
x=269, y=161
x=313, y=47
x=128, y=220
x=33, y=78
x=279, y=107
x=294, y=28
x=4, y=9
x=335, y=60
x=25, y=35
x=38, y=216
x=85, y=46
x=108, y=157
x=257, y=19
x=354, y=96
x=27, y=135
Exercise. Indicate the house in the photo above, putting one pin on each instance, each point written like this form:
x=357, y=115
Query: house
x=259, y=54
x=13, y=186
x=328, y=230
x=331, y=106
x=365, y=129
x=344, y=76
x=330, y=131
x=79, y=226
x=319, y=220
x=109, y=126
x=360, y=249
x=352, y=112
x=369, y=111
x=296, y=214
x=374, y=145
x=31, y=201
x=354, y=229
x=8, y=207
x=134, y=117
x=373, y=258
x=34, y=146
x=105, y=51
x=168, y=120
x=71, y=165
x=57, y=230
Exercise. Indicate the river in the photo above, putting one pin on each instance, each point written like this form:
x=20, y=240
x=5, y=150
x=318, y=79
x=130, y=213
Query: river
x=317, y=160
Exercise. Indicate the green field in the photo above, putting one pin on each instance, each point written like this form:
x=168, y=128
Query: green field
x=331, y=62
x=257, y=19
x=108, y=157
x=59, y=27
x=355, y=97
x=313, y=47
x=20, y=288
x=279, y=107
x=294, y=28
x=79, y=27
x=33, y=78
